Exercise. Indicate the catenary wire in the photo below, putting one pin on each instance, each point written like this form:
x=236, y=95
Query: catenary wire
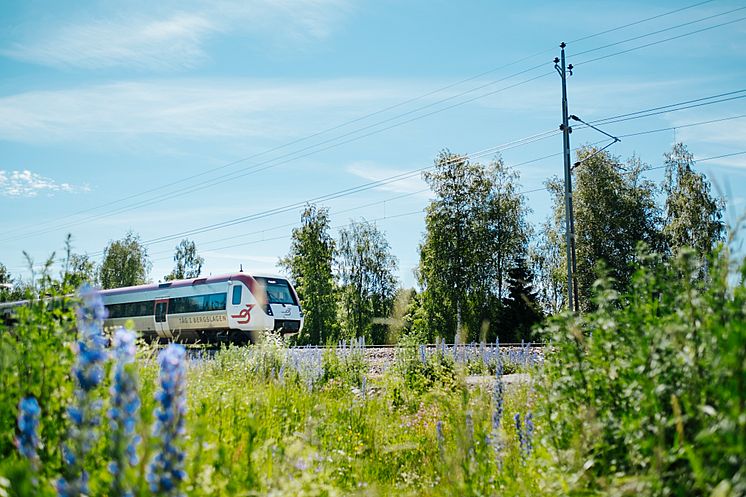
x=658, y=42
x=420, y=211
x=629, y=116
x=392, y=107
x=393, y=216
x=658, y=16
x=472, y=156
x=512, y=166
x=359, y=188
x=653, y=33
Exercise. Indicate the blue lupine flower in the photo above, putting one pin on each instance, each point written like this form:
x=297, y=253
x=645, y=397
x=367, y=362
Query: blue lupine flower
x=469, y=422
x=27, y=440
x=439, y=436
x=498, y=392
x=125, y=405
x=528, y=438
x=88, y=373
x=281, y=374
x=165, y=472
x=518, y=428
x=525, y=433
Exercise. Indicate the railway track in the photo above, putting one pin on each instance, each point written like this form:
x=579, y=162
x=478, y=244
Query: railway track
x=379, y=358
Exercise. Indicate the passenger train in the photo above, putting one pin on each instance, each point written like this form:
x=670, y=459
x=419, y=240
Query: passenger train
x=235, y=307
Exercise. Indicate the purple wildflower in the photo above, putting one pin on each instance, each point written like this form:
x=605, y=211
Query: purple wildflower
x=27, y=440
x=125, y=404
x=165, y=472
x=439, y=436
x=528, y=437
x=88, y=372
x=518, y=428
x=525, y=433
x=498, y=392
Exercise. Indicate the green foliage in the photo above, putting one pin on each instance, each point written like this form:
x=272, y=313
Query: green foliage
x=310, y=265
x=475, y=230
x=188, y=262
x=6, y=284
x=693, y=215
x=614, y=209
x=35, y=360
x=520, y=310
x=643, y=396
x=344, y=364
x=368, y=285
x=125, y=263
x=76, y=269
x=419, y=376
x=646, y=395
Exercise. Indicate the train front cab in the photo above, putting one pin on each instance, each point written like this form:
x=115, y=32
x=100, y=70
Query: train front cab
x=282, y=305
x=245, y=308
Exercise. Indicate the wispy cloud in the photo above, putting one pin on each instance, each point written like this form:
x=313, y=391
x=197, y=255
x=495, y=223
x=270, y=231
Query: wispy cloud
x=148, y=43
x=29, y=184
x=173, y=35
x=375, y=172
x=201, y=109
x=737, y=162
x=730, y=133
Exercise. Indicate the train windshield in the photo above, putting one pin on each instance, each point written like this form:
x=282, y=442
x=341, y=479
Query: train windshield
x=278, y=291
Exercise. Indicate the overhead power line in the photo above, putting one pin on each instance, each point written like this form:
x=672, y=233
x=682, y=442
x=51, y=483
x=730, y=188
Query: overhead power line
x=658, y=16
x=513, y=166
x=341, y=193
x=230, y=177
x=374, y=184
x=658, y=42
x=408, y=213
x=393, y=216
x=361, y=188
x=653, y=33
x=670, y=107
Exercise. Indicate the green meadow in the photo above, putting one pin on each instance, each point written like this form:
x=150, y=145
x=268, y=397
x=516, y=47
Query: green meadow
x=645, y=395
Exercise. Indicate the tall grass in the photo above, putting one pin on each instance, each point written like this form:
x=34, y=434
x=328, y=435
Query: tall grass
x=644, y=396
x=647, y=394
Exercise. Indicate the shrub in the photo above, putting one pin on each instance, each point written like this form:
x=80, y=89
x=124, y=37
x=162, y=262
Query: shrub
x=647, y=394
x=35, y=360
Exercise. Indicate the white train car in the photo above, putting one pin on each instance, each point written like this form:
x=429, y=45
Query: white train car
x=235, y=307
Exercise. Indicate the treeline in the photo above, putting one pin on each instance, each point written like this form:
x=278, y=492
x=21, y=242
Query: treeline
x=484, y=272
x=125, y=262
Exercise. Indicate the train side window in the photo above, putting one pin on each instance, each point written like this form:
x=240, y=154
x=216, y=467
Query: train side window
x=217, y=302
x=236, y=295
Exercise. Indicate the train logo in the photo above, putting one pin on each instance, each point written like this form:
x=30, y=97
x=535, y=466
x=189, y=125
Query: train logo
x=244, y=316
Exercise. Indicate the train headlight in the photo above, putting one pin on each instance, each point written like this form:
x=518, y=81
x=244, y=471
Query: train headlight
x=268, y=310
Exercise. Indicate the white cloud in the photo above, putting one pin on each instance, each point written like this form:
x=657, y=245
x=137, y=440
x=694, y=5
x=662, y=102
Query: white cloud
x=735, y=162
x=172, y=35
x=147, y=43
x=730, y=133
x=375, y=172
x=196, y=109
x=29, y=184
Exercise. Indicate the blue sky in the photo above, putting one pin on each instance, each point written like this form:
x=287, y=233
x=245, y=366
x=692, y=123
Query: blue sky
x=105, y=106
